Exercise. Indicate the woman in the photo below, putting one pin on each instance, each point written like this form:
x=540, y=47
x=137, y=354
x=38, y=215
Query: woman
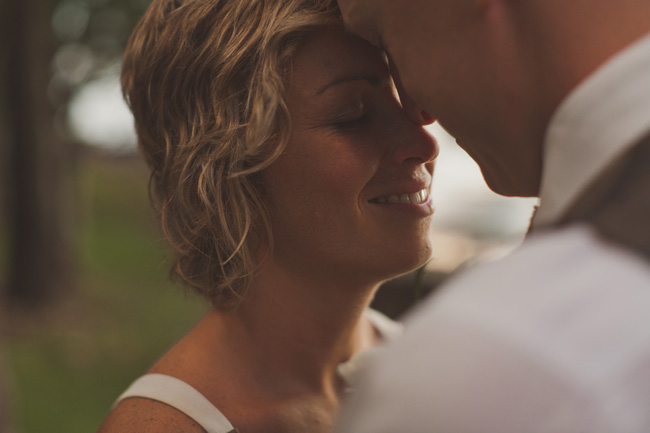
x=290, y=184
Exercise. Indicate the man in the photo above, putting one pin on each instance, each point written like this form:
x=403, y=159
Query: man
x=551, y=98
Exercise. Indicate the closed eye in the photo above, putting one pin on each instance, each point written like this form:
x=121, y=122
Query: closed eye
x=347, y=124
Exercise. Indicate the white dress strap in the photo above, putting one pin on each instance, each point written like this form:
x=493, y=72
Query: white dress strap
x=179, y=395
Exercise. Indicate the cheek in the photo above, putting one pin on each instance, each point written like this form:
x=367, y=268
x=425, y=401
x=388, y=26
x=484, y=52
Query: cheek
x=325, y=191
x=304, y=193
x=337, y=166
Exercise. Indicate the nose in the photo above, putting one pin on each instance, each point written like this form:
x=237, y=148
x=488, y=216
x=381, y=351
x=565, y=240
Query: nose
x=416, y=146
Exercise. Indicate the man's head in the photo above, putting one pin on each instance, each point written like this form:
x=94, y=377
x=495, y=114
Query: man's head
x=494, y=71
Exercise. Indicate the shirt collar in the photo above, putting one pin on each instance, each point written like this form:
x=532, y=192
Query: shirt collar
x=600, y=119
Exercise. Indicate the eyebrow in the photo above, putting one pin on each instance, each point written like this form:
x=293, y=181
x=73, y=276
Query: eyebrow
x=372, y=79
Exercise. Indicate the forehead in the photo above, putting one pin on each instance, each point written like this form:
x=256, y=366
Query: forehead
x=332, y=55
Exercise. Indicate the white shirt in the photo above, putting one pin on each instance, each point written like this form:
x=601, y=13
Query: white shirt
x=556, y=336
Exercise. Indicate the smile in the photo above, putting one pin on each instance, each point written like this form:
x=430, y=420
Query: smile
x=419, y=197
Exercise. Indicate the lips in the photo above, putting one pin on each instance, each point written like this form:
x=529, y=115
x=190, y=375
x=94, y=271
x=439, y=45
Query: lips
x=419, y=197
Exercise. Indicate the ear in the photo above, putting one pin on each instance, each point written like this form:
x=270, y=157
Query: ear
x=503, y=16
x=497, y=9
x=486, y=5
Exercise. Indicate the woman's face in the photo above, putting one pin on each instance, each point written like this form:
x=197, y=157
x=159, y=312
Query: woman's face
x=349, y=197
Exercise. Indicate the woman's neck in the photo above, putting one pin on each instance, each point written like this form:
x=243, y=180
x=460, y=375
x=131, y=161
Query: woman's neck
x=293, y=331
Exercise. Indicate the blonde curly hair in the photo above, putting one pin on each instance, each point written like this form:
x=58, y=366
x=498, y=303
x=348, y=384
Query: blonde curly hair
x=205, y=82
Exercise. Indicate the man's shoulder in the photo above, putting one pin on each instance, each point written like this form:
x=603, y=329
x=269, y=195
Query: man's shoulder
x=559, y=287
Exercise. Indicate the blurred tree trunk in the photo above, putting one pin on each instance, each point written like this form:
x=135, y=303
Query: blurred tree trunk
x=40, y=249
x=5, y=419
x=4, y=166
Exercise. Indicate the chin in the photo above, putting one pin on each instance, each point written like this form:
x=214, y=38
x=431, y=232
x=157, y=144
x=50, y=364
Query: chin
x=510, y=188
x=406, y=261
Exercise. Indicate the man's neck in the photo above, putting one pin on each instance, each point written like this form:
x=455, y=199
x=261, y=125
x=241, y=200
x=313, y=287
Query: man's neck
x=575, y=38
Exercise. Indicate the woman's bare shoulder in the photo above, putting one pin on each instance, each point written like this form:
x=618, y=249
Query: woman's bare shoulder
x=141, y=415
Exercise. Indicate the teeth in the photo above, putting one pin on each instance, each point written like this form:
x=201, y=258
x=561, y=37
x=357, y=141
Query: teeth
x=415, y=198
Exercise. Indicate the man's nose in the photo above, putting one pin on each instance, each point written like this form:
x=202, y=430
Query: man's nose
x=413, y=110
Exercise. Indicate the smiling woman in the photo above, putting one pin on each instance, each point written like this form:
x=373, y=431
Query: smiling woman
x=290, y=183
x=351, y=153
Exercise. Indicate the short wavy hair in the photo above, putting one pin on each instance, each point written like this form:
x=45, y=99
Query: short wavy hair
x=205, y=82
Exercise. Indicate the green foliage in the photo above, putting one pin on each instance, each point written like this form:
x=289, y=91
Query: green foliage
x=67, y=365
x=89, y=38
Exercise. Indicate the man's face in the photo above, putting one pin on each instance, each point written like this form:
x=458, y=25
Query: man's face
x=460, y=60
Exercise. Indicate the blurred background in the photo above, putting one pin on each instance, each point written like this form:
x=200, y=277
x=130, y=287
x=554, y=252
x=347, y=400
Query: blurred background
x=86, y=305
